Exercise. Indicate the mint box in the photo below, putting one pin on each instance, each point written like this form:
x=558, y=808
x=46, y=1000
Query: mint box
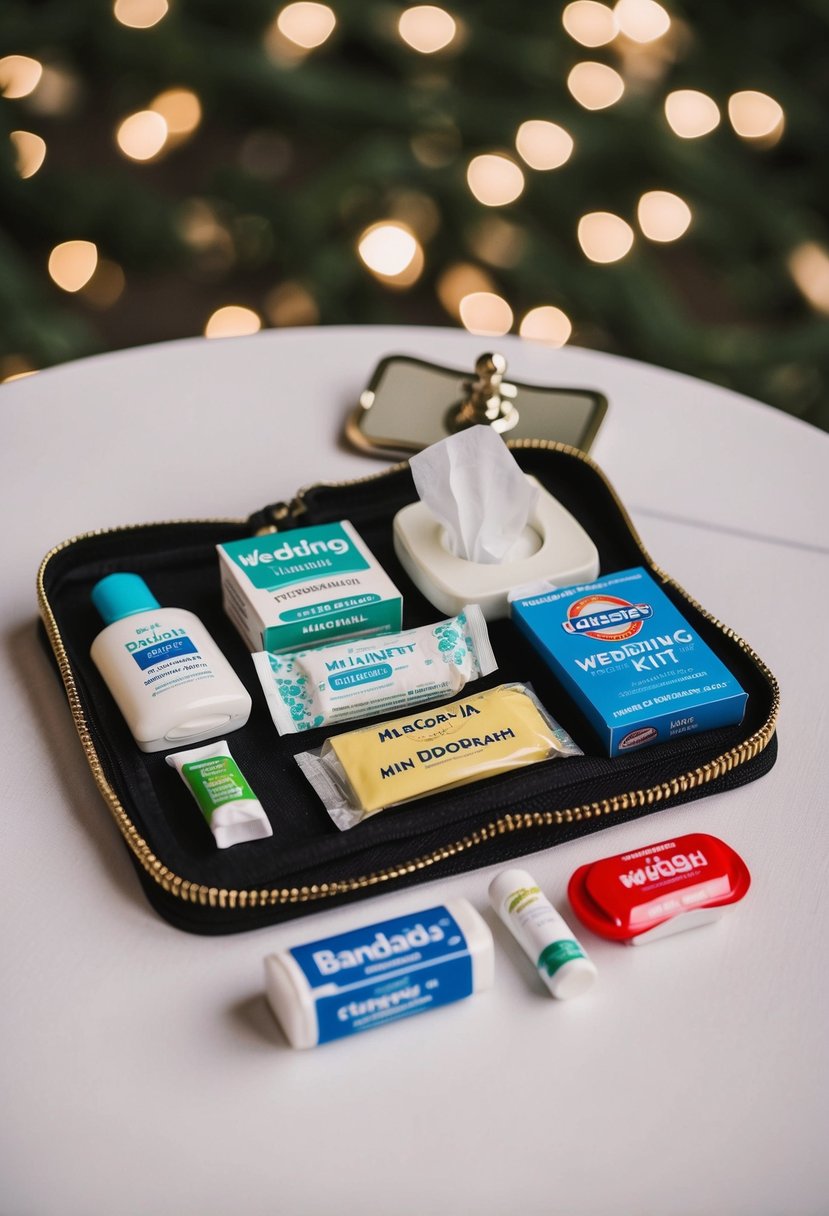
x=630, y=660
x=307, y=586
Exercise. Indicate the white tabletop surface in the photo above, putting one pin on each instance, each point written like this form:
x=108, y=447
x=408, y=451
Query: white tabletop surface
x=142, y=1071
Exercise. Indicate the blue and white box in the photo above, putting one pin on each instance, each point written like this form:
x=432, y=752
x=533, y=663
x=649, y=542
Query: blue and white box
x=630, y=660
x=338, y=986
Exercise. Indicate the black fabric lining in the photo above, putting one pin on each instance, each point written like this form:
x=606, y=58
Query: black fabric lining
x=180, y=565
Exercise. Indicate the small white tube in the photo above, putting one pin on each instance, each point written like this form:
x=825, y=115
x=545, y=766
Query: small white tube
x=227, y=802
x=544, y=936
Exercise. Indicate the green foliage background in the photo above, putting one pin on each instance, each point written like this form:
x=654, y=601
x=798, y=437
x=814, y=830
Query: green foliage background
x=294, y=161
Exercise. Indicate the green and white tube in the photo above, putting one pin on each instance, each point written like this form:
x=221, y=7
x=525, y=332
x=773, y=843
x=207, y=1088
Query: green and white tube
x=227, y=802
x=368, y=676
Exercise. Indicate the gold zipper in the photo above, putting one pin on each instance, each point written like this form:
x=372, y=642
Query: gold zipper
x=223, y=897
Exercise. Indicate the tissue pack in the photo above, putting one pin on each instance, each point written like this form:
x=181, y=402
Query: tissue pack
x=630, y=660
x=306, y=586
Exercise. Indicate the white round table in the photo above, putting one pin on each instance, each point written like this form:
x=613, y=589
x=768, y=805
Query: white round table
x=142, y=1070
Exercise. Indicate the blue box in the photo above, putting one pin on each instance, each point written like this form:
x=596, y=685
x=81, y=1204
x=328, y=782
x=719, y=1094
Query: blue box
x=630, y=660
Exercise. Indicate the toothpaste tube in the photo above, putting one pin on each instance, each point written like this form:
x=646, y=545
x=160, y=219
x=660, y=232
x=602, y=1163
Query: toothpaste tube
x=380, y=973
x=360, y=678
x=227, y=802
x=363, y=771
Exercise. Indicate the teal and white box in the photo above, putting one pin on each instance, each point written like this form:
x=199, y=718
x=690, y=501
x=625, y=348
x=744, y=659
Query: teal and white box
x=306, y=586
x=625, y=654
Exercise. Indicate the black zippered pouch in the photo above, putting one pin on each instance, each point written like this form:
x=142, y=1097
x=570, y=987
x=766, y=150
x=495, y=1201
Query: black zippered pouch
x=308, y=864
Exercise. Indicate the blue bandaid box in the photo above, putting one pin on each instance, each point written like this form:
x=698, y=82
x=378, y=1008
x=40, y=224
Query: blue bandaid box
x=636, y=668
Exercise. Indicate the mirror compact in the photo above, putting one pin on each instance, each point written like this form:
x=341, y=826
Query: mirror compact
x=410, y=403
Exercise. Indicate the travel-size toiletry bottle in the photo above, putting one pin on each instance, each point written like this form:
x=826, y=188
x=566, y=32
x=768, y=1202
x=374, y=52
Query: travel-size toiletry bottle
x=168, y=677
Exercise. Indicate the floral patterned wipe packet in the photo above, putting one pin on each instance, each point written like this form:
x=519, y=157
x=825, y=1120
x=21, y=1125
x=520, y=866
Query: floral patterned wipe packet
x=375, y=675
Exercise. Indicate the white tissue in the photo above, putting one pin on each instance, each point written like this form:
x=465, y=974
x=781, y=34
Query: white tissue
x=472, y=484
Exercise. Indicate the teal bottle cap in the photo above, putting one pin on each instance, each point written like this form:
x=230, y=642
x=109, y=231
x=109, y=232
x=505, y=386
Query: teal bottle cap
x=120, y=595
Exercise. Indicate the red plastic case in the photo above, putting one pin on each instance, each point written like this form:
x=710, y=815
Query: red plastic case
x=660, y=889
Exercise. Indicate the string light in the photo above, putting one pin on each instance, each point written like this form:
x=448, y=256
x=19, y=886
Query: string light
x=29, y=150
x=140, y=14
x=459, y=280
x=72, y=264
x=546, y=324
x=691, y=114
x=232, y=321
x=427, y=28
x=19, y=75
x=756, y=116
x=181, y=111
x=142, y=135
x=663, y=216
x=590, y=23
x=485, y=313
x=494, y=179
x=595, y=85
x=604, y=237
x=543, y=145
x=306, y=24
x=809, y=267
x=392, y=252
x=291, y=304
x=642, y=20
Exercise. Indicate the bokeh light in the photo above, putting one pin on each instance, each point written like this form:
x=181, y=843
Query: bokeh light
x=29, y=150
x=392, y=252
x=141, y=136
x=691, y=114
x=590, y=23
x=809, y=267
x=427, y=28
x=232, y=321
x=494, y=179
x=306, y=24
x=291, y=303
x=181, y=111
x=19, y=75
x=72, y=264
x=485, y=313
x=140, y=14
x=595, y=85
x=106, y=286
x=15, y=367
x=436, y=148
x=543, y=145
x=546, y=324
x=604, y=237
x=497, y=241
x=642, y=20
x=663, y=216
x=756, y=116
x=459, y=280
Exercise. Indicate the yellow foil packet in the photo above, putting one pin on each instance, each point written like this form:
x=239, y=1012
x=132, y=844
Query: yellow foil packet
x=363, y=771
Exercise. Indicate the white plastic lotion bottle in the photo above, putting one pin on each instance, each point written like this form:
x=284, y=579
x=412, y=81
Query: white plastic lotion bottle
x=544, y=936
x=168, y=677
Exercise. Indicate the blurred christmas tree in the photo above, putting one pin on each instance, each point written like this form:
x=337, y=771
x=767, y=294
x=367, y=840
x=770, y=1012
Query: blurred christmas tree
x=645, y=179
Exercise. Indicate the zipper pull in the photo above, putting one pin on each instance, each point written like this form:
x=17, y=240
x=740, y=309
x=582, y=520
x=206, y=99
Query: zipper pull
x=278, y=516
